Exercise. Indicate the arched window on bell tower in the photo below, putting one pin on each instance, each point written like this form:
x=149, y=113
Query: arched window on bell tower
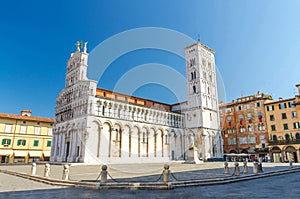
x=194, y=89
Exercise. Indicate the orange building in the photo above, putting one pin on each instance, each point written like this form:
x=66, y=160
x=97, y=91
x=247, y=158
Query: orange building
x=284, y=129
x=243, y=125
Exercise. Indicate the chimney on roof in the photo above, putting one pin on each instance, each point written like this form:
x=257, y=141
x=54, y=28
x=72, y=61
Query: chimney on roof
x=280, y=98
x=298, y=86
x=26, y=112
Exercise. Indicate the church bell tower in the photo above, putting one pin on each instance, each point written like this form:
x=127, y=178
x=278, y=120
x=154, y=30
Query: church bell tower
x=202, y=117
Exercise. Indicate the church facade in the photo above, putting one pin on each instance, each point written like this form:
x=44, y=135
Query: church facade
x=95, y=125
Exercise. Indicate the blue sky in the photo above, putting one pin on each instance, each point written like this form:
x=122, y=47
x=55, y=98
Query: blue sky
x=257, y=44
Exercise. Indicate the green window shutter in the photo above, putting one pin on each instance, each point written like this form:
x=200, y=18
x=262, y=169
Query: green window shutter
x=36, y=143
x=24, y=143
x=48, y=143
x=19, y=142
x=9, y=141
x=3, y=141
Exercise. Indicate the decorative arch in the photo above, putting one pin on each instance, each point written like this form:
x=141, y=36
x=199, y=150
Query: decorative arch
x=233, y=151
x=297, y=136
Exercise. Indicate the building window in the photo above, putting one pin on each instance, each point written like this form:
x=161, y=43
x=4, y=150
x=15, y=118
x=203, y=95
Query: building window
x=297, y=136
x=270, y=108
x=291, y=104
x=240, y=108
x=23, y=129
x=231, y=141
x=272, y=118
x=273, y=127
x=287, y=137
x=166, y=139
x=296, y=125
x=285, y=126
x=6, y=142
x=35, y=143
x=275, y=137
x=21, y=142
x=242, y=129
x=194, y=89
x=8, y=128
x=261, y=127
x=258, y=104
x=50, y=131
x=48, y=143
x=249, y=128
x=252, y=140
x=248, y=106
x=262, y=139
x=243, y=140
x=37, y=130
x=283, y=115
x=259, y=115
x=282, y=106
x=294, y=114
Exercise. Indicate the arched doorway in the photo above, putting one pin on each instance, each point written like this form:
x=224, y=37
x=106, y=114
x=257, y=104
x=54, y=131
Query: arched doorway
x=276, y=154
x=290, y=153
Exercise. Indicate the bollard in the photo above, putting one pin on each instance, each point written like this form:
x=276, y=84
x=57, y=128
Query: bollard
x=291, y=164
x=66, y=171
x=47, y=170
x=226, y=169
x=236, y=169
x=259, y=167
x=255, y=170
x=33, y=169
x=166, y=173
x=103, y=174
x=245, y=167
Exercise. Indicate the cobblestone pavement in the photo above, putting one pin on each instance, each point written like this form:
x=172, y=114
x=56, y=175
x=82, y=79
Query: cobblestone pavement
x=10, y=183
x=283, y=186
x=143, y=172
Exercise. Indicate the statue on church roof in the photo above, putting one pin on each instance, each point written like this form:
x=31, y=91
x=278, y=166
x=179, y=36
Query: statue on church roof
x=79, y=45
x=85, y=47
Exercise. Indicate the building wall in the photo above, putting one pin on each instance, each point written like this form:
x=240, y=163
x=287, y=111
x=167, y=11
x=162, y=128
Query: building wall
x=243, y=124
x=97, y=125
x=284, y=130
x=29, y=137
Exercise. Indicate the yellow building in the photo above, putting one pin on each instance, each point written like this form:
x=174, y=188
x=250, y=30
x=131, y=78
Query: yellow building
x=283, y=123
x=25, y=138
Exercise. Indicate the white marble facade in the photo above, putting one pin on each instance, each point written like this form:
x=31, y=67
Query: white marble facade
x=98, y=129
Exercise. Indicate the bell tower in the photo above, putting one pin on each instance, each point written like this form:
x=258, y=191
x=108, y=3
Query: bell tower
x=77, y=65
x=202, y=118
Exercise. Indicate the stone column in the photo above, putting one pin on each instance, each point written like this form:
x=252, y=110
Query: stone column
x=245, y=167
x=66, y=171
x=236, y=169
x=47, y=170
x=166, y=173
x=103, y=174
x=226, y=170
x=33, y=169
x=255, y=169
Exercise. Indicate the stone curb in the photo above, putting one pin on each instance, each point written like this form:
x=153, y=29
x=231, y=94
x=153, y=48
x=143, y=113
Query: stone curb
x=150, y=185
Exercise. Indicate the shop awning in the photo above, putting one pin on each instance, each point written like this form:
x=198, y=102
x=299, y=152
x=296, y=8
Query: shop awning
x=35, y=153
x=20, y=153
x=46, y=153
x=6, y=152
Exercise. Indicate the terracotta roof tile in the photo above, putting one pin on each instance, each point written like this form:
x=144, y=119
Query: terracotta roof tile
x=31, y=118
